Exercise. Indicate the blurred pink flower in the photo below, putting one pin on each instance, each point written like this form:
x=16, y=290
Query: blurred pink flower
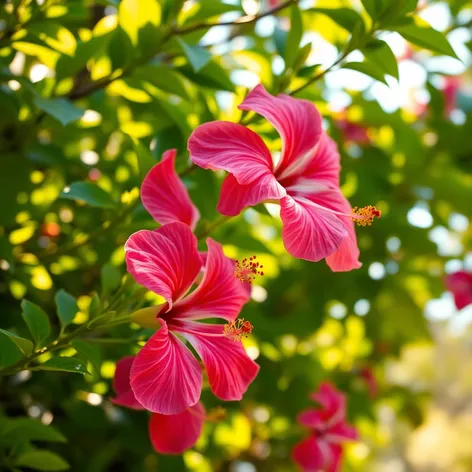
x=450, y=90
x=164, y=195
x=367, y=374
x=165, y=376
x=317, y=218
x=169, y=434
x=460, y=284
x=353, y=132
x=322, y=451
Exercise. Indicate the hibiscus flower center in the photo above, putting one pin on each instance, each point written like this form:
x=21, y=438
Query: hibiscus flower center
x=247, y=269
x=365, y=216
x=238, y=329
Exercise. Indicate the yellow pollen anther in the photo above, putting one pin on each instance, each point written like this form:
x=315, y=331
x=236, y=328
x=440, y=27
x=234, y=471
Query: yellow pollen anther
x=237, y=329
x=365, y=215
x=247, y=269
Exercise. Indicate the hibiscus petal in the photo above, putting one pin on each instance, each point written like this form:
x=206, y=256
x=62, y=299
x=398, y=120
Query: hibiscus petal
x=229, y=368
x=234, y=197
x=325, y=165
x=219, y=295
x=164, y=195
x=298, y=123
x=460, y=284
x=174, y=434
x=347, y=255
x=121, y=385
x=231, y=147
x=311, y=418
x=341, y=432
x=332, y=401
x=165, y=376
x=309, y=232
x=315, y=455
x=165, y=261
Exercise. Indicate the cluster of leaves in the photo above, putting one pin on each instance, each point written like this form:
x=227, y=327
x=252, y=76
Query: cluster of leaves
x=91, y=94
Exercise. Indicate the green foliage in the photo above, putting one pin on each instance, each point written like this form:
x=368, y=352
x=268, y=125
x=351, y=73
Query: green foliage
x=92, y=94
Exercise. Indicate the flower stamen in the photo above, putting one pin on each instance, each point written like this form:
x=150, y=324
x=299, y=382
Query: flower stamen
x=237, y=329
x=365, y=216
x=247, y=269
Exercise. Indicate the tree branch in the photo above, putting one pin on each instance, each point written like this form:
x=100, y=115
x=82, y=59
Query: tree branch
x=243, y=20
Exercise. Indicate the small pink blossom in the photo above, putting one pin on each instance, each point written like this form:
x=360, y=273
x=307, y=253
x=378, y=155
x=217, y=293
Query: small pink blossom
x=322, y=451
x=318, y=221
x=169, y=434
x=166, y=377
x=450, y=91
x=460, y=284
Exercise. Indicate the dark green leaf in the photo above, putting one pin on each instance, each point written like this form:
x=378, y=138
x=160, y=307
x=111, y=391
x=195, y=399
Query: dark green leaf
x=197, y=56
x=379, y=53
x=95, y=305
x=163, y=77
x=89, y=352
x=65, y=364
x=66, y=307
x=24, y=344
x=145, y=158
x=9, y=351
x=60, y=108
x=294, y=37
x=426, y=37
x=27, y=429
x=111, y=277
x=42, y=460
x=89, y=193
x=37, y=321
x=280, y=40
x=367, y=68
x=344, y=17
x=373, y=7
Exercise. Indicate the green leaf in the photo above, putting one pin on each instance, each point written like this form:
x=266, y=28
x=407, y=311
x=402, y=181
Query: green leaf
x=426, y=37
x=89, y=352
x=27, y=429
x=110, y=277
x=66, y=307
x=9, y=351
x=163, y=77
x=344, y=17
x=37, y=321
x=89, y=193
x=212, y=76
x=368, y=69
x=294, y=37
x=60, y=109
x=196, y=55
x=139, y=18
x=145, y=158
x=95, y=305
x=373, y=7
x=41, y=460
x=65, y=364
x=209, y=8
x=280, y=40
x=24, y=344
x=379, y=53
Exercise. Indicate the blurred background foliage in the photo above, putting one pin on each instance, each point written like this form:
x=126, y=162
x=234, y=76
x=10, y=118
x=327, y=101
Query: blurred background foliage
x=92, y=93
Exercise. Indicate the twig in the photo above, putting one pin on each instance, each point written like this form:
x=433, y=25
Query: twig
x=244, y=20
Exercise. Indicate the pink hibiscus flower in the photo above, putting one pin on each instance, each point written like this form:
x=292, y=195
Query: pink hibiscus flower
x=166, y=377
x=164, y=194
x=322, y=451
x=460, y=284
x=169, y=434
x=317, y=218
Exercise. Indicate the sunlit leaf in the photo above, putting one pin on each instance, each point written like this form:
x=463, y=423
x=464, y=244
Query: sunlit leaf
x=89, y=193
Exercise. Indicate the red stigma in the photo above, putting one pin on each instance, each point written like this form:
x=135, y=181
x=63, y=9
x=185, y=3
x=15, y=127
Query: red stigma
x=365, y=216
x=247, y=269
x=238, y=329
